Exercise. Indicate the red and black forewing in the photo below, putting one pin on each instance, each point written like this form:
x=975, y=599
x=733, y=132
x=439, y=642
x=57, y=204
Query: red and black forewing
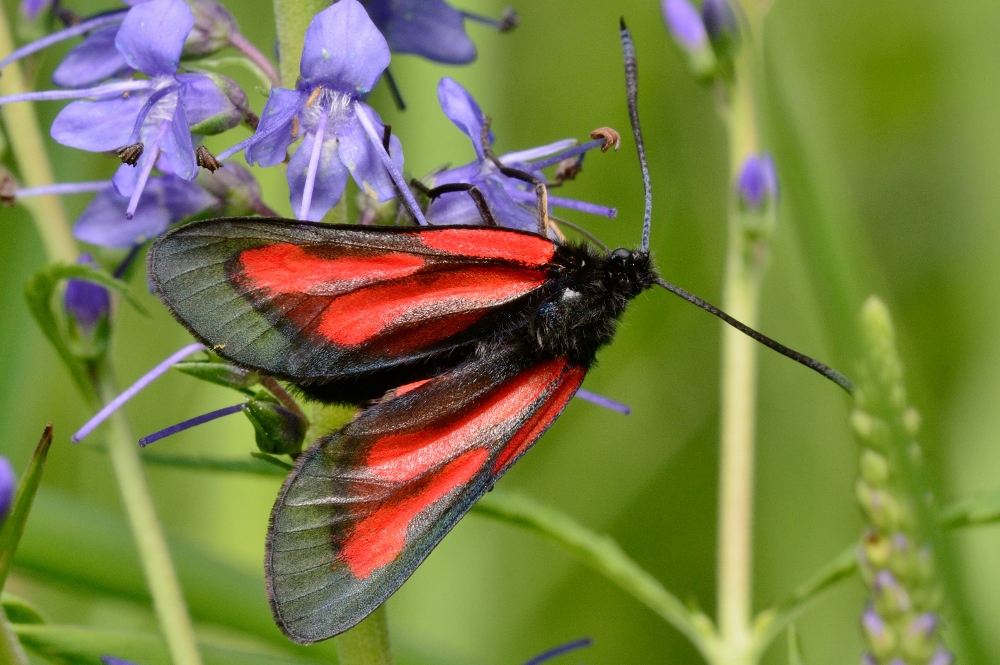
x=308, y=302
x=366, y=505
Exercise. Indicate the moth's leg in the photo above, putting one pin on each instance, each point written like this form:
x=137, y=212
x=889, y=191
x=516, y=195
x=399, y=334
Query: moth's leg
x=541, y=190
x=477, y=196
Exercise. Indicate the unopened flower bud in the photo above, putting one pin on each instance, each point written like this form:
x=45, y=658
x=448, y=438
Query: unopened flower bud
x=878, y=634
x=719, y=19
x=213, y=25
x=8, y=486
x=86, y=303
x=214, y=103
x=236, y=188
x=874, y=468
x=920, y=637
x=688, y=30
x=877, y=549
x=277, y=429
x=758, y=181
x=891, y=599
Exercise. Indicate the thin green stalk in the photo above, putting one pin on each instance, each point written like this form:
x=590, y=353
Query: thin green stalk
x=32, y=160
x=291, y=18
x=745, y=262
x=367, y=643
x=165, y=589
x=11, y=651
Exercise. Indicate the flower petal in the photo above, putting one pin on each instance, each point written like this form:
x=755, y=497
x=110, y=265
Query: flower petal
x=91, y=61
x=506, y=211
x=177, y=147
x=274, y=133
x=360, y=156
x=208, y=105
x=152, y=36
x=165, y=200
x=331, y=177
x=428, y=28
x=462, y=109
x=98, y=126
x=344, y=50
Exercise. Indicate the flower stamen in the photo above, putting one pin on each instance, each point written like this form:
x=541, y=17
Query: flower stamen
x=191, y=422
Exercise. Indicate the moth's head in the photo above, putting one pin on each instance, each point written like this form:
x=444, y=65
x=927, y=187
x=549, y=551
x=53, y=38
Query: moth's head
x=630, y=270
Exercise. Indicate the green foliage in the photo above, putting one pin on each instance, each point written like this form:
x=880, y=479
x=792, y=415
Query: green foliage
x=13, y=525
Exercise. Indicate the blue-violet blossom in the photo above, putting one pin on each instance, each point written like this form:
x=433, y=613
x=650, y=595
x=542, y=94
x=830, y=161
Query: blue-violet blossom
x=432, y=29
x=86, y=302
x=8, y=486
x=343, y=57
x=510, y=200
x=758, y=181
x=685, y=24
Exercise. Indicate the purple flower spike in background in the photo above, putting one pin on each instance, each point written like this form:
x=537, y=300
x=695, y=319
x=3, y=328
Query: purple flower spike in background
x=343, y=57
x=8, y=486
x=685, y=24
x=430, y=28
x=32, y=8
x=510, y=200
x=86, y=303
x=758, y=181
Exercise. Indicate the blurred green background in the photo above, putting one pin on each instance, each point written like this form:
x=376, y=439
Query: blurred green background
x=884, y=119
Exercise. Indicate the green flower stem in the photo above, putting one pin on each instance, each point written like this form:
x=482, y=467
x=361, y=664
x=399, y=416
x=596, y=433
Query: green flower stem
x=291, y=18
x=33, y=163
x=168, y=601
x=745, y=264
x=367, y=643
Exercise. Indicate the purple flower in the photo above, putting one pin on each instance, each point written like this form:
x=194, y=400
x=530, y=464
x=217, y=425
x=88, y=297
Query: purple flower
x=343, y=57
x=8, y=486
x=32, y=8
x=758, y=181
x=685, y=24
x=156, y=119
x=430, y=28
x=510, y=200
x=86, y=303
x=719, y=19
x=167, y=199
x=941, y=657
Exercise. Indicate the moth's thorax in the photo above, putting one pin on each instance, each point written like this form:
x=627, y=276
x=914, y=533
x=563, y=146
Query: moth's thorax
x=586, y=296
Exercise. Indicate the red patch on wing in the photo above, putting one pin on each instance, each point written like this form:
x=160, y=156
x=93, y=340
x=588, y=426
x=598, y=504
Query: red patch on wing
x=403, y=457
x=379, y=538
x=490, y=244
x=540, y=419
x=356, y=317
x=288, y=268
x=402, y=390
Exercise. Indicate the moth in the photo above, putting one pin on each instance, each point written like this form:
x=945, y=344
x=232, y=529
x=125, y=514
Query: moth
x=461, y=345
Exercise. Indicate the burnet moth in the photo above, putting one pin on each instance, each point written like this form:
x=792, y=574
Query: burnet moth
x=462, y=344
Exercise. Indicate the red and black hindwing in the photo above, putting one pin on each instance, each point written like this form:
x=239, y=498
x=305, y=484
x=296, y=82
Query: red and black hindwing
x=366, y=505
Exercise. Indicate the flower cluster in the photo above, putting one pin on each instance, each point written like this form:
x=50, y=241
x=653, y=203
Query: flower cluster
x=708, y=38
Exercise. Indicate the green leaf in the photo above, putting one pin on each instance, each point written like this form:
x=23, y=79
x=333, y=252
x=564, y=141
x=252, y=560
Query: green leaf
x=13, y=525
x=85, y=646
x=73, y=543
x=605, y=556
x=39, y=292
x=264, y=465
x=975, y=510
x=19, y=610
x=220, y=373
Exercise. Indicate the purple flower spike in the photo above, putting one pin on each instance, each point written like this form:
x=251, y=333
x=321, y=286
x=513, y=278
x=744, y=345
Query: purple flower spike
x=32, y=8
x=343, y=56
x=685, y=24
x=133, y=390
x=511, y=201
x=942, y=657
x=87, y=303
x=758, y=181
x=560, y=650
x=8, y=486
x=167, y=200
x=428, y=28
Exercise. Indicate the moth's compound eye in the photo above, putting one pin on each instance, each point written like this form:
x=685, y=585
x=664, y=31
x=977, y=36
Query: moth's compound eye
x=621, y=254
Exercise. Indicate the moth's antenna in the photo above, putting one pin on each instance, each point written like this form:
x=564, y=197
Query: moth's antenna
x=801, y=358
x=632, y=94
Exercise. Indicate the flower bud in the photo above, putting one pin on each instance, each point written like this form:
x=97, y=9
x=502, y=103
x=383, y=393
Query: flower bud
x=941, y=657
x=891, y=599
x=920, y=637
x=277, y=429
x=8, y=486
x=874, y=468
x=213, y=25
x=688, y=30
x=758, y=182
x=878, y=634
x=723, y=29
x=213, y=103
x=236, y=189
x=877, y=549
x=86, y=303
